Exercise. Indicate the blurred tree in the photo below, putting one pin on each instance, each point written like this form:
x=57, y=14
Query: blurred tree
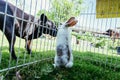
x=61, y=10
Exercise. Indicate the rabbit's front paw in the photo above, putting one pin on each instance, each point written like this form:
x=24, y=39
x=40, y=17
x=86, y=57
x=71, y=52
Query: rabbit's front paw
x=69, y=65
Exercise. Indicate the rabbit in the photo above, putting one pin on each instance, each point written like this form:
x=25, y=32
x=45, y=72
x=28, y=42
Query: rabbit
x=63, y=56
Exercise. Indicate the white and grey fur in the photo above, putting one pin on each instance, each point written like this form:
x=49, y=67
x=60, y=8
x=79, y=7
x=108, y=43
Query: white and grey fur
x=63, y=56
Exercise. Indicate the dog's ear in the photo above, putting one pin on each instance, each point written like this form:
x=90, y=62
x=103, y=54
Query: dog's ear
x=109, y=30
x=43, y=18
x=71, y=22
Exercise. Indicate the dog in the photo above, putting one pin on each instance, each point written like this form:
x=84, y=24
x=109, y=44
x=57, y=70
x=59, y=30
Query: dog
x=63, y=56
x=23, y=26
x=113, y=34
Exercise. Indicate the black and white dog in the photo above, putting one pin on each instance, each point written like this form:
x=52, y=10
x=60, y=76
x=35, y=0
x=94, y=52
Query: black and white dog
x=23, y=26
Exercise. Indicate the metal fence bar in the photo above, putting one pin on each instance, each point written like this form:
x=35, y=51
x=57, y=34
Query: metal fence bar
x=26, y=64
x=15, y=17
x=23, y=20
x=3, y=30
x=44, y=45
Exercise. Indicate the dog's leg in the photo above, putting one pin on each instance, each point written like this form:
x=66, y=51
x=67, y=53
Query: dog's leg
x=9, y=36
x=28, y=46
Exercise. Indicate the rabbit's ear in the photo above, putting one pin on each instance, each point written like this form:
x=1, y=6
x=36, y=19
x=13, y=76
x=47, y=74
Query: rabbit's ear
x=71, y=22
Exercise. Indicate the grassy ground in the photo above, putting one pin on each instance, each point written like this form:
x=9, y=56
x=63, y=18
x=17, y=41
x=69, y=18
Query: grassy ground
x=23, y=57
x=87, y=66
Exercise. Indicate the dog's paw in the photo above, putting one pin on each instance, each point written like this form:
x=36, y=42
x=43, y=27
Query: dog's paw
x=69, y=65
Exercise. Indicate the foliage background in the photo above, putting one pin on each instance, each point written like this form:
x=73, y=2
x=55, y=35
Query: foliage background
x=61, y=10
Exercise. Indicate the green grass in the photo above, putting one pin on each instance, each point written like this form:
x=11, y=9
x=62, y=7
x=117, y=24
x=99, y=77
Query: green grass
x=23, y=57
x=81, y=70
x=87, y=66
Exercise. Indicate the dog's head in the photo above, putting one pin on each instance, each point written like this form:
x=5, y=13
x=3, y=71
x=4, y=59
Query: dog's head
x=48, y=27
x=110, y=32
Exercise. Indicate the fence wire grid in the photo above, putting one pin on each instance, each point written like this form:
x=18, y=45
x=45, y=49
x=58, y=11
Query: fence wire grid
x=89, y=35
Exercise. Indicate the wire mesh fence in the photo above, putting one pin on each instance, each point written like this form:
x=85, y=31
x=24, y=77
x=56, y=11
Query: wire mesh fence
x=21, y=28
x=93, y=39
